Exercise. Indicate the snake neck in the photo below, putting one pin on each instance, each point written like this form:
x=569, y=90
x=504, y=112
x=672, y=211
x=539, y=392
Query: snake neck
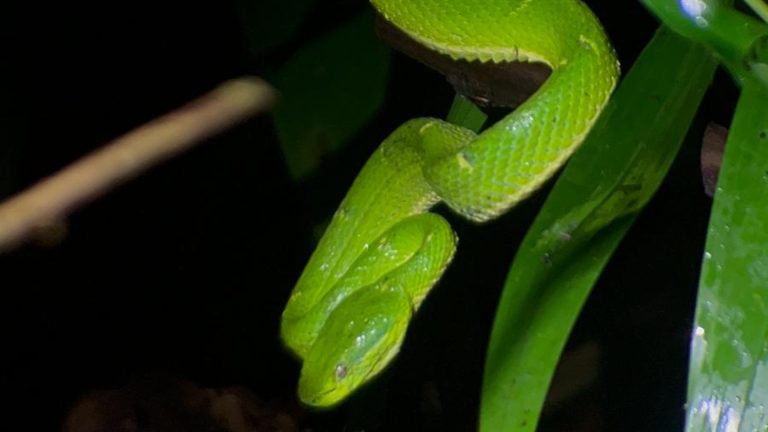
x=389, y=188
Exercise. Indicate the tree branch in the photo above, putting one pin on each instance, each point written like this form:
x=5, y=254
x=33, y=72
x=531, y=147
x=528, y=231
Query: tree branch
x=52, y=199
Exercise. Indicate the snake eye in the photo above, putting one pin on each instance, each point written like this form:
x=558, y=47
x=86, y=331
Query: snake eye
x=341, y=371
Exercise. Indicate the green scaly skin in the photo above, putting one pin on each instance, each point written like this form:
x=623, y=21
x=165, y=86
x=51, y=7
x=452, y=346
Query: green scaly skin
x=383, y=251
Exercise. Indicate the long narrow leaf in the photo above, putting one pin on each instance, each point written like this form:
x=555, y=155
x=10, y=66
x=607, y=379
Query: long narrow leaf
x=739, y=40
x=728, y=379
x=329, y=91
x=590, y=208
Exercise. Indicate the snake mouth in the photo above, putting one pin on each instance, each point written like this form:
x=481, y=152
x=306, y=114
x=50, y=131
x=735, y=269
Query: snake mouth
x=321, y=398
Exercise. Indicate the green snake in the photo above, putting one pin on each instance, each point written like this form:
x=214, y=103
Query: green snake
x=383, y=251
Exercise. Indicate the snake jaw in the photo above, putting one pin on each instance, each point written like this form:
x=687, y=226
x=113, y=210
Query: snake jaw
x=318, y=398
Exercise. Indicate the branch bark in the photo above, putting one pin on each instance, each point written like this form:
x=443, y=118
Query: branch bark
x=51, y=200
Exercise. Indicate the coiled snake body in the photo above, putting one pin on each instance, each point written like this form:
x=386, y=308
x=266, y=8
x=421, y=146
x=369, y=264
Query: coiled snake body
x=383, y=251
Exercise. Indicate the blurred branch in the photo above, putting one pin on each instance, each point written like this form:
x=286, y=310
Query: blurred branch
x=760, y=8
x=53, y=198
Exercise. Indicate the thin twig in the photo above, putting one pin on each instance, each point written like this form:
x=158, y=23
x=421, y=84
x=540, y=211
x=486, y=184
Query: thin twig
x=52, y=199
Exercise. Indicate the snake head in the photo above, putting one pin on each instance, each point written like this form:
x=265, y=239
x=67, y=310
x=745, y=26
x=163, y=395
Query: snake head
x=357, y=342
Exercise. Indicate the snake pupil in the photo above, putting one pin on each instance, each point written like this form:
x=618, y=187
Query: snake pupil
x=341, y=371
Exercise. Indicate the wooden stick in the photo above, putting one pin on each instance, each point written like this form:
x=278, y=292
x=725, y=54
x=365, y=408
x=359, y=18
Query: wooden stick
x=49, y=202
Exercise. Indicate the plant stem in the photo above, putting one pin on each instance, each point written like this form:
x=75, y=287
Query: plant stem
x=465, y=113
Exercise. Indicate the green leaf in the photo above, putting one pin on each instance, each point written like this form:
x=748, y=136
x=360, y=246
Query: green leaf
x=592, y=205
x=269, y=23
x=728, y=378
x=330, y=90
x=739, y=40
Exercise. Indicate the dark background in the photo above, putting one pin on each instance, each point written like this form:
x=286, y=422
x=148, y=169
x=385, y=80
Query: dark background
x=186, y=269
